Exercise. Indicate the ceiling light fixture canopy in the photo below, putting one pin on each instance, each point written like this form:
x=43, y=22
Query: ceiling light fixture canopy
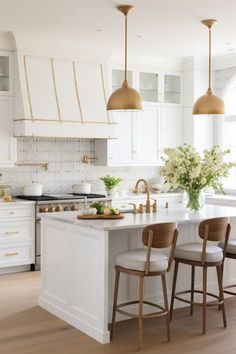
x=125, y=98
x=209, y=103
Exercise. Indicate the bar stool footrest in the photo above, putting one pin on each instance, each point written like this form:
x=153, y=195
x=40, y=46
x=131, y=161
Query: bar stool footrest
x=217, y=303
x=163, y=311
x=229, y=287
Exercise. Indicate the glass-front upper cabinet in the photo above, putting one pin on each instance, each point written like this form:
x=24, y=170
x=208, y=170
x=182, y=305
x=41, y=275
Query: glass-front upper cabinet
x=148, y=86
x=5, y=73
x=118, y=78
x=172, y=89
x=154, y=87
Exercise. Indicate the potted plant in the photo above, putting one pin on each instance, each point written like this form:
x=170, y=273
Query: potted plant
x=111, y=184
x=185, y=168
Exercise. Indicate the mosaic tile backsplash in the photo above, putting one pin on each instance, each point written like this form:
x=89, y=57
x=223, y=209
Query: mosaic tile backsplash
x=65, y=166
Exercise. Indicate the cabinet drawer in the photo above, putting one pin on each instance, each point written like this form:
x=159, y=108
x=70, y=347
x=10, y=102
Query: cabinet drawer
x=16, y=212
x=17, y=232
x=18, y=254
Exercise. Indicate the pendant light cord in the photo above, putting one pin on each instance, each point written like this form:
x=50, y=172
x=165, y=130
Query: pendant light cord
x=209, y=91
x=125, y=83
x=126, y=45
x=209, y=104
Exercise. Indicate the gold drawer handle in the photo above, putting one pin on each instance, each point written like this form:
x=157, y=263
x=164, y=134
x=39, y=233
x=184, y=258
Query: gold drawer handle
x=11, y=254
x=11, y=232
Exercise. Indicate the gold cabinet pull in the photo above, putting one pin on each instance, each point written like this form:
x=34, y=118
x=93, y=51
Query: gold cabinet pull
x=11, y=232
x=11, y=254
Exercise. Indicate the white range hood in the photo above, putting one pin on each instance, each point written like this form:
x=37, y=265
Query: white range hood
x=61, y=98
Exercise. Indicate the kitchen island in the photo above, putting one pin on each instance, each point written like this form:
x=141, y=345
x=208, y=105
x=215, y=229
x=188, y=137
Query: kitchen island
x=78, y=263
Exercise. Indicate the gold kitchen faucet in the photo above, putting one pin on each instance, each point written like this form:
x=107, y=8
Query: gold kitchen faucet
x=147, y=190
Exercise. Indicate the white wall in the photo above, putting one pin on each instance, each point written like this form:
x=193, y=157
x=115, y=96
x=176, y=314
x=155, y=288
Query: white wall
x=222, y=77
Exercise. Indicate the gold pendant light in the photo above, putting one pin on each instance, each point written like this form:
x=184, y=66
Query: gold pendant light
x=125, y=98
x=209, y=103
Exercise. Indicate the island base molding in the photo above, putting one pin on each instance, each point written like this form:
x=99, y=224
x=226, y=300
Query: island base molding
x=84, y=326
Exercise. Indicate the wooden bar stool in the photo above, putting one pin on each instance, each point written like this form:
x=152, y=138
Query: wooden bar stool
x=203, y=255
x=144, y=263
x=230, y=253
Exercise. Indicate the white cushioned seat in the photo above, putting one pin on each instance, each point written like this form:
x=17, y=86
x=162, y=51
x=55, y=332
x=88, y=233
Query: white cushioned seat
x=231, y=247
x=193, y=252
x=136, y=260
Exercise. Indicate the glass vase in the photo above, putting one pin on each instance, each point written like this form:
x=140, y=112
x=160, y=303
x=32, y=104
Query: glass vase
x=194, y=199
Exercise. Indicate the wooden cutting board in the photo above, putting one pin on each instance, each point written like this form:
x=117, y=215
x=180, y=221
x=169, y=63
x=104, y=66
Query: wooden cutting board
x=100, y=216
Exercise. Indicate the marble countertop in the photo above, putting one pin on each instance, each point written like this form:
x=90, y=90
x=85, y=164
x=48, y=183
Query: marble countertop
x=176, y=213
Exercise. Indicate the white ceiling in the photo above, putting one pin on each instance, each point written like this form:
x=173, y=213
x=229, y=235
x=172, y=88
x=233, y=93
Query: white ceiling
x=166, y=27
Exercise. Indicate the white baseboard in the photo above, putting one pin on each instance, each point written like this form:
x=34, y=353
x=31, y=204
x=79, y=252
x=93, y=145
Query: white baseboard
x=97, y=334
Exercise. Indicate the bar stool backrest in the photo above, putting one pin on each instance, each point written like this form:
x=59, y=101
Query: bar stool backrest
x=216, y=229
x=162, y=235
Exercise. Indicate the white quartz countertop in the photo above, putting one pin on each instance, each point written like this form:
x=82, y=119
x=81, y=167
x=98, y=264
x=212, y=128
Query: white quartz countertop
x=15, y=202
x=222, y=198
x=176, y=213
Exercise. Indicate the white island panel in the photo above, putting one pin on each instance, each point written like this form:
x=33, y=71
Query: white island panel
x=77, y=283
x=57, y=264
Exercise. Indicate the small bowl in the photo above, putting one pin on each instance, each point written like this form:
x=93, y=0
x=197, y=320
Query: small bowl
x=93, y=211
x=84, y=211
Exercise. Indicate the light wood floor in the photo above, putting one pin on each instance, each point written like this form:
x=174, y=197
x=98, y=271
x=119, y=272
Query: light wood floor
x=27, y=329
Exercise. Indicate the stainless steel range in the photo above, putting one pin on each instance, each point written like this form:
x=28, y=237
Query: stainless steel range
x=57, y=203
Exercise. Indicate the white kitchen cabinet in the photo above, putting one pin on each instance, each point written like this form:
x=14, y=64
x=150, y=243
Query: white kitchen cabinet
x=171, y=126
x=160, y=86
x=172, y=88
x=145, y=136
x=41, y=88
x=121, y=149
x=118, y=151
x=8, y=144
x=17, y=234
x=154, y=85
x=16, y=231
x=149, y=86
x=118, y=76
x=136, y=140
x=142, y=137
x=6, y=73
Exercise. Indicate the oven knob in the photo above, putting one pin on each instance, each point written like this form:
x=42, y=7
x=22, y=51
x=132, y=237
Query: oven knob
x=43, y=210
x=52, y=209
x=66, y=208
x=59, y=208
x=74, y=207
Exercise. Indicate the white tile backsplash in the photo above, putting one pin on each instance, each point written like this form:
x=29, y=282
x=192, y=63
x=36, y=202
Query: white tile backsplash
x=65, y=166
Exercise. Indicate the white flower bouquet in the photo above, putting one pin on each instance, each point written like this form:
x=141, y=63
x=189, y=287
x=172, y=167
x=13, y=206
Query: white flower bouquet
x=184, y=168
